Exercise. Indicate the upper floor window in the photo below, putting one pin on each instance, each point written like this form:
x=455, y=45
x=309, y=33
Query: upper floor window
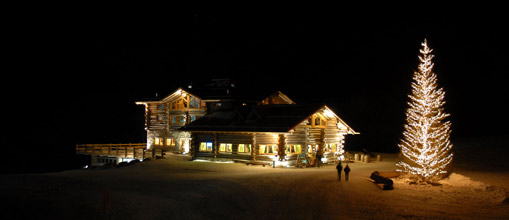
x=317, y=120
x=186, y=102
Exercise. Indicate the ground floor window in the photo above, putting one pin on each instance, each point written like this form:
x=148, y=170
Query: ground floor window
x=293, y=149
x=244, y=148
x=225, y=148
x=330, y=148
x=268, y=149
x=158, y=141
x=170, y=142
x=206, y=146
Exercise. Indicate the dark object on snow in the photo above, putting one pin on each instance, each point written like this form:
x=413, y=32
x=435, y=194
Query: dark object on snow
x=123, y=164
x=347, y=172
x=380, y=179
x=134, y=162
x=339, y=168
x=252, y=162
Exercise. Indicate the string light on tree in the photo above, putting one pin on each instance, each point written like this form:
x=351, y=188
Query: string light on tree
x=425, y=146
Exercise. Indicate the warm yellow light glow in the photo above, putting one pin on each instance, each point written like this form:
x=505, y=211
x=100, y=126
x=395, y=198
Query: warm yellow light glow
x=328, y=113
x=425, y=145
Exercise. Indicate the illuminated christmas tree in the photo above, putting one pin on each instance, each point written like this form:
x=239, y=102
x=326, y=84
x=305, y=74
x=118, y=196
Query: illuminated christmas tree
x=425, y=146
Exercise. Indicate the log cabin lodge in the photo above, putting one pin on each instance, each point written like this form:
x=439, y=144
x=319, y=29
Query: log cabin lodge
x=216, y=124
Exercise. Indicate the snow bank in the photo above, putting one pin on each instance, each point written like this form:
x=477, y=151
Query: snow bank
x=459, y=180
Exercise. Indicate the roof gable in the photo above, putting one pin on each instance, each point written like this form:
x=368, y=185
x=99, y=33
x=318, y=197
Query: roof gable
x=276, y=98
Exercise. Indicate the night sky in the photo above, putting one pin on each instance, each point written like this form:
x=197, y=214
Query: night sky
x=76, y=80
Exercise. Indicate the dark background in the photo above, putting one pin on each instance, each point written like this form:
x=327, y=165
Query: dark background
x=76, y=77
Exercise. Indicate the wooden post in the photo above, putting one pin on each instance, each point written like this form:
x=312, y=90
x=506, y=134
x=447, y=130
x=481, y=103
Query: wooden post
x=192, y=147
x=281, y=147
x=215, y=147
x=254, y=147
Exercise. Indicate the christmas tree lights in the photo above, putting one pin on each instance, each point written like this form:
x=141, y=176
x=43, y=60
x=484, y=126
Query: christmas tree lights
x=425, y=147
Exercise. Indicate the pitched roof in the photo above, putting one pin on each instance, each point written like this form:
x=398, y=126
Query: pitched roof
x=259, y=118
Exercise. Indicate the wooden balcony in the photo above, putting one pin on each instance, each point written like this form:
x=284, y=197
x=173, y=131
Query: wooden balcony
x=132, y=151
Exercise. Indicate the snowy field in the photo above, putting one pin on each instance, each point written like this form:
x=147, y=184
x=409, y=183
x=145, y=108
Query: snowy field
x=167, y=189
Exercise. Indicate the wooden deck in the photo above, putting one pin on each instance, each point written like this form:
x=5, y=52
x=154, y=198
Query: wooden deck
x=133, y=151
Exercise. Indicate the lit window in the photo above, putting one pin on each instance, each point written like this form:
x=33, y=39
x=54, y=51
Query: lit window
x=158, y=141
x=170, y=142
x=293, y=149
x=206, y=146
x=268, y=149
x=244, y=148
x=317, y=121
x=225, y=148
x=329, y=148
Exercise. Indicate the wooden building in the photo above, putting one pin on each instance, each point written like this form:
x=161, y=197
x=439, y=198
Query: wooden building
x=214, y=124
x=164, y=117
x=269, y=133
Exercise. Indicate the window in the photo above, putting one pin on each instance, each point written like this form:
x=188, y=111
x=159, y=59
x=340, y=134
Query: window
x=193, y=118
x=160, y=107
x=160, y=118
x=174, y=120
x=206, y=146
x=244, y=148
x=316, y=120
x=170, y=142
x=158, y=141
x=225, y=148
x=193, y=102
x=330, y=148
x=182, y=119
x=293, y=149
x=268, y=149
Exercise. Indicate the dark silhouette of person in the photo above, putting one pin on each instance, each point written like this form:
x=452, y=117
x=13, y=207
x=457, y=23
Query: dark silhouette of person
x=347, y=171
x=339, y=168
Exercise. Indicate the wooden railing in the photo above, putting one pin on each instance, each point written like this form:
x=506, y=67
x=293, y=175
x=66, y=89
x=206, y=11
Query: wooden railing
x=134, y=151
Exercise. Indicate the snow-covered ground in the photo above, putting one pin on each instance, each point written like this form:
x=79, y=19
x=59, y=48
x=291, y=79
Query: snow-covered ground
x=168, y=189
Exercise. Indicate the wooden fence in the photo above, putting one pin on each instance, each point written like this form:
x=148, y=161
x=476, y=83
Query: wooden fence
x=134, y=151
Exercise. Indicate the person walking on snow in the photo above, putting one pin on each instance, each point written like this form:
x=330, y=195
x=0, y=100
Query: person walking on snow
x=339, y=168
x=347, y=171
